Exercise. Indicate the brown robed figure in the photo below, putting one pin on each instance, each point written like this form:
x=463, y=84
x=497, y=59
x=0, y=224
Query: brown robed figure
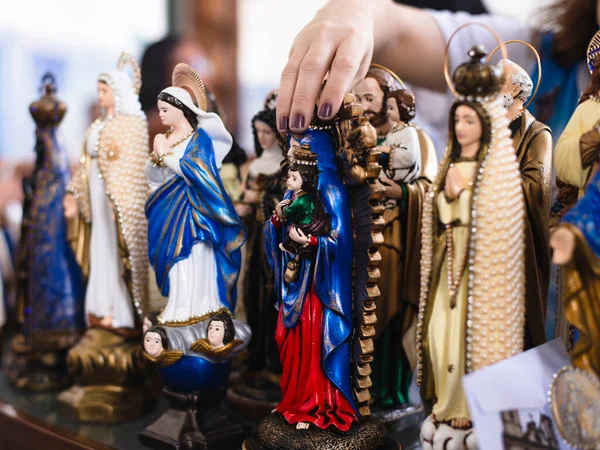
x=532, y=141
x=395, y=341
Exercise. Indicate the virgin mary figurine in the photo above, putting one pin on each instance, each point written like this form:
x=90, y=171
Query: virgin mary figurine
x=319, y=242
x=51, y=288
x=195, y=237
x=108, y=234
x=471, y=310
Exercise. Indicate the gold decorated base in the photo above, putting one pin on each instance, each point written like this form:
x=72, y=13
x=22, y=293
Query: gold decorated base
x=103, y=403
x=36, y=368
x=110, y=373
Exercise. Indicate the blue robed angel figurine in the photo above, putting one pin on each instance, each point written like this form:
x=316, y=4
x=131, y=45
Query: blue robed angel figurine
x=194, y=237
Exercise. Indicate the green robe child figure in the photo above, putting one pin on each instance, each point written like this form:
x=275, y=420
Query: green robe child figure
x=301, y=210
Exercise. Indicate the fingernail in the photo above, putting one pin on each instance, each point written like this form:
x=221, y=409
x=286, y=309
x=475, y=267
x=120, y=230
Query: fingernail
x=325, y=111
x=297, y=122
x=283, y=123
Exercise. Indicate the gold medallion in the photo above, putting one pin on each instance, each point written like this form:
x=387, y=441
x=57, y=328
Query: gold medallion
x=575, y=401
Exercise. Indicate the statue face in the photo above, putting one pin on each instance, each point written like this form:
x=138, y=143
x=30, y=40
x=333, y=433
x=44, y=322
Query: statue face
x=105, y=95
x=153, y=344
x=294, y=181
x=393, y=113
x=216, y=333
x=467, y=126
x=510, y=91
x=266, y=136
x=169, y=115
x=370, y=96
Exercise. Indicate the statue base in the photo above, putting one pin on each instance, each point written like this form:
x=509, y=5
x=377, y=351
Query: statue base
x=255, y=395
x=111, y=374
x=103, y=403
x=441, y=436
x=274, y=433
x=37, y=370
x=194, y=421
x=404, y=423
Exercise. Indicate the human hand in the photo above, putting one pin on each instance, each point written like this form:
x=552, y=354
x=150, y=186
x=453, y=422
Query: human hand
x=339, y=41
x=562, y=241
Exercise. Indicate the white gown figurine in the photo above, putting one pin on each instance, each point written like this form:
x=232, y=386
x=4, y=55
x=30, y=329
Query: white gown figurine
x=195, y=237
x=108, y=233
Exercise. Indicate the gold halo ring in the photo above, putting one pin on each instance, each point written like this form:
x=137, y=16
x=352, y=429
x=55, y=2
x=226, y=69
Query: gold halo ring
x=186, y=77
x=539, y=63
x=446, y=56
x=389, y=71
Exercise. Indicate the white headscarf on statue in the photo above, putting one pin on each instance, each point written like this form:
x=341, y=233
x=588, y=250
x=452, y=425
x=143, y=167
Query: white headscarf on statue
x=125, y=89
x=209, y=122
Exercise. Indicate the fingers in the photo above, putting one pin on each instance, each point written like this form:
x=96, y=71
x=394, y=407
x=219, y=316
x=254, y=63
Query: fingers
x=300, y=233
x=313, y=68
x=287, y=85
x=349, y=66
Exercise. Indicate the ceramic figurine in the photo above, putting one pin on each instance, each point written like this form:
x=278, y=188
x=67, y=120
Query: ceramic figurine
x=325, y=316
x=472, y=304
x=195, y=237
x=109, y=237
x=577, y=248
x=258, y=391
x=409, y=165
x=532, y=141
x=51, y=287
x=575, y=149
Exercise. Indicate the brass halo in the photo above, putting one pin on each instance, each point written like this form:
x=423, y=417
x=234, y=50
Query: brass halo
x=186, y=77
x=592, y=50
x=539, y=63
x=446, y=57
x=125, y=59
x=392, y=73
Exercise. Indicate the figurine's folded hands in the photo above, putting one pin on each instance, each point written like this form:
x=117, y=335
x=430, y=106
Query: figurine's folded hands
x=70, y=205
x=160, y=145
x=454, y=184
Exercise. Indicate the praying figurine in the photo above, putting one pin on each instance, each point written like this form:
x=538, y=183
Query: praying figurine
x=195, y=237
x=108, y=233
x=472, y=304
